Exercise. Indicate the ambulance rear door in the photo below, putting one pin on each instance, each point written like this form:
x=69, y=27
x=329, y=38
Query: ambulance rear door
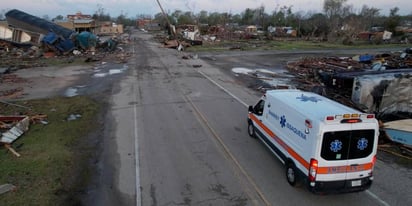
x=346, y=154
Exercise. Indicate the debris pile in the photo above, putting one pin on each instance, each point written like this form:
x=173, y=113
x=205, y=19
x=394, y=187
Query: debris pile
x=13, y=127
x=366, y=82
x=11, y=93
x=35, y=38
x=378, y=84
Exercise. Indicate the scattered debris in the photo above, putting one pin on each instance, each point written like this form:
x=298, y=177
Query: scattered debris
x=4, y=70
x=13, y=127
x=73, y=117
x=11, y=93
x=39, y=118
x=16, y=105
x=12, y=78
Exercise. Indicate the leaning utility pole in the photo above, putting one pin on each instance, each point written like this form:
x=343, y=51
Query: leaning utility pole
x=167, y=20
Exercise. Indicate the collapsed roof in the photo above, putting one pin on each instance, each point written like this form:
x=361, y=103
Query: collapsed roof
x=22, y=20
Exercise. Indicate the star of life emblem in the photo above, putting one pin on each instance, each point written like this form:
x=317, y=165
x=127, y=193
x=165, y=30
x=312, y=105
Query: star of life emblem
x=335, y=146
x=362, y=143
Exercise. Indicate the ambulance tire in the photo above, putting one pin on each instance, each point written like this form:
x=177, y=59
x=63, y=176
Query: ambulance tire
x=291, y=174
x=251, y=129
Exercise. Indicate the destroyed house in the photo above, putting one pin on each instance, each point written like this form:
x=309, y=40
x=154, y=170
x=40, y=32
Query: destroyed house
x=55, y=37
x=21, y=21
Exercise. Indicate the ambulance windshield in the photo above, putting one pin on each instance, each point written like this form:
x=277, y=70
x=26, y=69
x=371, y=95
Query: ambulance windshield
x=344, y=145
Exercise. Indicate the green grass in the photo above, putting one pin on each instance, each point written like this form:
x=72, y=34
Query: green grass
x=248, y=45
x=53, y=156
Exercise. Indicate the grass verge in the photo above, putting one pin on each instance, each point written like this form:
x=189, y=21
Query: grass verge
x=54, y=157
x=249, y=45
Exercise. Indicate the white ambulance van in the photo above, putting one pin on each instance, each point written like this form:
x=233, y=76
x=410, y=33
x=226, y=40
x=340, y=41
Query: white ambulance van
x=326, y=145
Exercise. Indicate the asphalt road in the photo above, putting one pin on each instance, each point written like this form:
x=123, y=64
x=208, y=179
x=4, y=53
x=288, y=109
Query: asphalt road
x=176, y=134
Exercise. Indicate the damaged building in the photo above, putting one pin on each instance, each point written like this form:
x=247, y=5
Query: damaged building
x=379, y=84
x=40, y=31
x=23, y=30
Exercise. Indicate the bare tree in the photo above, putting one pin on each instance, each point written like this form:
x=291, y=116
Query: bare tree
x=368, y=16
x=393, y=20
x=336, y=10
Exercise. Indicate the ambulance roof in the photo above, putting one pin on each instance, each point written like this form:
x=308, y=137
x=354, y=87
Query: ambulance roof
x=310, y=104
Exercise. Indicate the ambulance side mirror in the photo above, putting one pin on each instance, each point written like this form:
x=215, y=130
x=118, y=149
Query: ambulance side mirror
x=251, y=109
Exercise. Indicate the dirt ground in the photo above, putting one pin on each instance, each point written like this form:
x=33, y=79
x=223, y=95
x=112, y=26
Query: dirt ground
x=65, y=80
x=43, y=82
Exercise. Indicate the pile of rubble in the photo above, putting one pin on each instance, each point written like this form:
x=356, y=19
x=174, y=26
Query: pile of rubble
x=367, y=82
x=34, y=38
x=34, y=42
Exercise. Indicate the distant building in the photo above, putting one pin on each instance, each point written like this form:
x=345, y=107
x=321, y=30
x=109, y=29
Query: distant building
x=78, y=15
x=109, y=28
x=79, y=22
x=148, y=24
x=251, y=29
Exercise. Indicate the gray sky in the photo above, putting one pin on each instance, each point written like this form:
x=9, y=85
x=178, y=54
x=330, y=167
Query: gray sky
x=131, y=8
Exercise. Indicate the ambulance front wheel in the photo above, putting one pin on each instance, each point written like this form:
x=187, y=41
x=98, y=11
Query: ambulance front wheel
x=251, y=129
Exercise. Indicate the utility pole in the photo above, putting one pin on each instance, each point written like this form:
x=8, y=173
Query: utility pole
x=167, y=20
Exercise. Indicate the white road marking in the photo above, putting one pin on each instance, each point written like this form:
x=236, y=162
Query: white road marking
x=136, y=156
x=371, y=194
x=224, y=89
x=136, y=149
x=376, y=198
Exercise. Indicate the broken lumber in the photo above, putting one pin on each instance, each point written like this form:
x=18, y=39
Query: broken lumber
x=12, y=150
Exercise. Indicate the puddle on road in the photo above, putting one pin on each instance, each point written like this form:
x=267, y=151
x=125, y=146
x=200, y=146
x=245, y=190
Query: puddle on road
x=100, y=74
x=73, y=91
x=241, y=70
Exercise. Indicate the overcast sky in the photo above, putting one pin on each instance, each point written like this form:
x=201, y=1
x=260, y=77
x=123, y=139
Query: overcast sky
x=131, y=8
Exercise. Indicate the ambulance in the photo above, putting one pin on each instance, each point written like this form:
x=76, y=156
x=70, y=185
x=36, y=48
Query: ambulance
x=325, y=145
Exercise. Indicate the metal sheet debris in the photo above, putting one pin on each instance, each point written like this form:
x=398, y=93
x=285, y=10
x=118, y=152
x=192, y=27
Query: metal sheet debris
x=400, y=131
x=14, y=127
x=383, y=93
x=7, y=188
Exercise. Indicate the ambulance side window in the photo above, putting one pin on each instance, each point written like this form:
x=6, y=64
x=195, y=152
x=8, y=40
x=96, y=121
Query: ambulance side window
x=259, y=107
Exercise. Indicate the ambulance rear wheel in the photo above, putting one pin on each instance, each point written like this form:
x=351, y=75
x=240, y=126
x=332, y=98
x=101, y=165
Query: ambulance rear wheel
x=251, y=129
x=291, y=174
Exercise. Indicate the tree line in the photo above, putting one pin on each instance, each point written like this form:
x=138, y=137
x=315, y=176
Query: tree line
x=337, y=19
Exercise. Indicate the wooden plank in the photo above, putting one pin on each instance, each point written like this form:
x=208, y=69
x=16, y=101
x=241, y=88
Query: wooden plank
x=12, y=150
